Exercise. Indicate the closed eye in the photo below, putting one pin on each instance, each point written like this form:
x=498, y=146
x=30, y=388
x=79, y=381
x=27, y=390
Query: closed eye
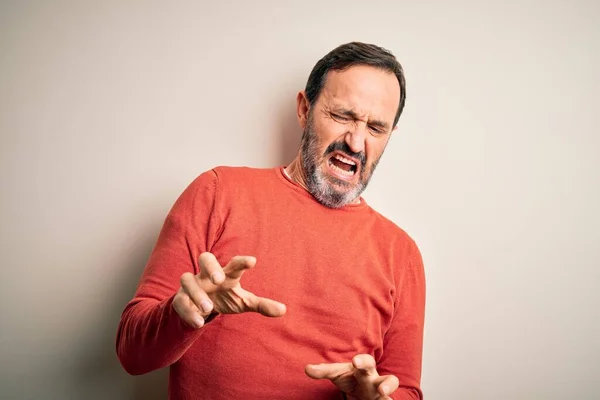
x=340, y=118
x=377, y=129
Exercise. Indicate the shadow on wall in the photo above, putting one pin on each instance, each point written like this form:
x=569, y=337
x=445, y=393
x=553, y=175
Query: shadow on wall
x=99, y=374
x=290, y=131
x=100, y=367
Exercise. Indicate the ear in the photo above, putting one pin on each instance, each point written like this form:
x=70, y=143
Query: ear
x=302, y=108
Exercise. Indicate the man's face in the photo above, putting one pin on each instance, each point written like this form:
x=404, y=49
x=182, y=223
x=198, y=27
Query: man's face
x=346, y=131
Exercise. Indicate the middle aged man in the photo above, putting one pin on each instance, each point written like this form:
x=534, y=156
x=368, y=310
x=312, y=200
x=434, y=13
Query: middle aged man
x=347, y=284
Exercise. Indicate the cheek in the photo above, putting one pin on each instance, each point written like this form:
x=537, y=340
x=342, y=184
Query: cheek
x=330, y=130
x=326, y=133
x=374, y=149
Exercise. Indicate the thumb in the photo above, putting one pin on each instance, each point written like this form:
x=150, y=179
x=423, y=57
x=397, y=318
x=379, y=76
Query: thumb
x=261, y=305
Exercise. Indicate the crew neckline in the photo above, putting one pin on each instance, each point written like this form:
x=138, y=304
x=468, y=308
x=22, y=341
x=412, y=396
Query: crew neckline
x=281, y=173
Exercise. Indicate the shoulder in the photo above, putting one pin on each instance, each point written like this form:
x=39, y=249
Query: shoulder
x=394, y=232
x=226, y=174
x=398, y=243
x=225, y=185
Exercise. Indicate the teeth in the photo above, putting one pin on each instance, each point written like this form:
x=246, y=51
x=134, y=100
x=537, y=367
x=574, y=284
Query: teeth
x=339, y=170
x=344, y=159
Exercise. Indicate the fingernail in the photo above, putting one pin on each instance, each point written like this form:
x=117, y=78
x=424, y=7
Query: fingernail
x=358, y=362
x=206, y=305
x=384, y=389
x=198, y=321
x=217, y=277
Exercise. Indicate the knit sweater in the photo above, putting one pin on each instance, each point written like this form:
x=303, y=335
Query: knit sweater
x=352, y=281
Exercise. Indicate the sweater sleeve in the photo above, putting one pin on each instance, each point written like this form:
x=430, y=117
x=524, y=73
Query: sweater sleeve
x=403, y=342
x=151, y=334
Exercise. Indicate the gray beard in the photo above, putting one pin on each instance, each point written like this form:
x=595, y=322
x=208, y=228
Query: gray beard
x=319, y=185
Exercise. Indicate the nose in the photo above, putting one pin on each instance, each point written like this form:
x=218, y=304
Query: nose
x=356, y=136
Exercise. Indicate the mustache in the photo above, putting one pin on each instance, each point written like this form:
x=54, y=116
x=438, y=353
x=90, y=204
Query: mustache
x=343, y=147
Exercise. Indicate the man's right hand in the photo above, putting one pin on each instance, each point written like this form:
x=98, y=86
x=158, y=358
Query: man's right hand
x=218, y=290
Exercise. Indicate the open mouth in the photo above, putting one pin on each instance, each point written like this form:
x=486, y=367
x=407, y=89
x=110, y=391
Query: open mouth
x=343, y=166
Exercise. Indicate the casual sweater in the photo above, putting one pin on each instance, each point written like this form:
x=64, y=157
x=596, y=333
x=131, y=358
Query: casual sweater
x=352, y=281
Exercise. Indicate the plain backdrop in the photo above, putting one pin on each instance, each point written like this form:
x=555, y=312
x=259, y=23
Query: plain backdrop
x=108, y=109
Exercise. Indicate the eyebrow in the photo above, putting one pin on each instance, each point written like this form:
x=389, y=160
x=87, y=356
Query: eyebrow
x=351, y=114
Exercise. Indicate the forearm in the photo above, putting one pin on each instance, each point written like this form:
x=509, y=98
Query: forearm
x=151, y=336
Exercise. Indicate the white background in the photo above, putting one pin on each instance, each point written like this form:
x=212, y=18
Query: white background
x=108, y=109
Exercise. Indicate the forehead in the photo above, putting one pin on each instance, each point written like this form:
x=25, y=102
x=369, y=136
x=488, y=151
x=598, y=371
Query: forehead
x=366, y=90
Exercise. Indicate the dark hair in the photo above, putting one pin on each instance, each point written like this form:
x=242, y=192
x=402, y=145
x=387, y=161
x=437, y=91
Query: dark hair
x=349, y=55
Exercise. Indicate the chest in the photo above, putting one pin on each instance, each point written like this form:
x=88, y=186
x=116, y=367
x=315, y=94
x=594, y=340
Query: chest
x=330, y=271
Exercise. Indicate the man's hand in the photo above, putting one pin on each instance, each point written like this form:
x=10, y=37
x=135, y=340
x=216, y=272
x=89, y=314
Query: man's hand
x=218, y=290
x=358, y=379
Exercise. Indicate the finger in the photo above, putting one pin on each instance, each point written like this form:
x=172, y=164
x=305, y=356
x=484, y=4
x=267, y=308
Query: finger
x=328, y=371
x=387, y=384
x=261, y=305
x=238, y=264
x=198, y=296
x=210, y=267
x=365, y=365
x=187, y=310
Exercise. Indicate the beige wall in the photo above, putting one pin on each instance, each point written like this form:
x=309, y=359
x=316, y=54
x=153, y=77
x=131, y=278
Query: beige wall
x=109, y=109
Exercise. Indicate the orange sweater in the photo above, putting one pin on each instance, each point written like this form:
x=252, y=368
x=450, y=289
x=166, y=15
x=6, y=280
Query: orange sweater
x=352, y=281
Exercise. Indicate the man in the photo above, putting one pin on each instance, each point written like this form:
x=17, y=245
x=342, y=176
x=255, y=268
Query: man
x=346, y=284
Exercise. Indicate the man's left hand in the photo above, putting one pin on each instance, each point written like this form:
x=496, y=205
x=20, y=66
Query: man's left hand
x=359, y=379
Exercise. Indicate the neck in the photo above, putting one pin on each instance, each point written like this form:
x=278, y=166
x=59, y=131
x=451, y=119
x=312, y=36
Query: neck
x=297, y=174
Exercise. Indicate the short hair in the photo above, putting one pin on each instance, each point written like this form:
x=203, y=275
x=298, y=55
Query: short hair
x=353, y=54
